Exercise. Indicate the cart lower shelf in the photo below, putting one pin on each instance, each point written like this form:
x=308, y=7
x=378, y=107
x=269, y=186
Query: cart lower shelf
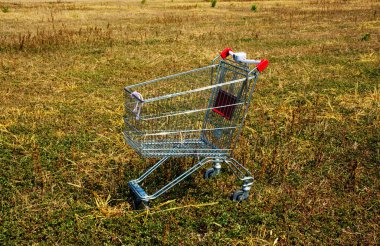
x=176, y=148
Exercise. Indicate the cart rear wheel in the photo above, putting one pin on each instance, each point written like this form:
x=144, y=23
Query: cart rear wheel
x=239, y=196
x=209, y=173
x=140, y=205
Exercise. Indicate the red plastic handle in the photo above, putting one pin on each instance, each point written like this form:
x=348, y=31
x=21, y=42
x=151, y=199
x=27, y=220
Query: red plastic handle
x=224, y=53
x=262, y=65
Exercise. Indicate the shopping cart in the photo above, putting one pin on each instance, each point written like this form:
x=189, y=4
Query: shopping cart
x=198, y=113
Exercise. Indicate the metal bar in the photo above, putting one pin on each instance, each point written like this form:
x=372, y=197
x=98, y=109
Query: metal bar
x=167, y=77
x=131, y=126
x=246, y=108
x=181, y=177
x=150, y=170
x=190, y=154
x=186, y=112
x=161, y=133
x=130, y=141
x=191, y=141
x=183, y=149
x=194, y=90
x=237, y=167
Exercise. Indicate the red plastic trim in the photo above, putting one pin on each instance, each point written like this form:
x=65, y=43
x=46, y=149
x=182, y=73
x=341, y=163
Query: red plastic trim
x=224, y=104
x=224, y=53
x=218, y=112
x=262, y=65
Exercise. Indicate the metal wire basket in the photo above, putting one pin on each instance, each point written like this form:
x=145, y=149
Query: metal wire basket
x=197, y=113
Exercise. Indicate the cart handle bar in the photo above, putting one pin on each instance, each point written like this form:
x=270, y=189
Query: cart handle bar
x=261, y=65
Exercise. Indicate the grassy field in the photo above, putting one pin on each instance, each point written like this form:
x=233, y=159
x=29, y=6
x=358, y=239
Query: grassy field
x=312, y=135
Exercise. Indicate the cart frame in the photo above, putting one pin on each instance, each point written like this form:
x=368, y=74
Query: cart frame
x=217, y=138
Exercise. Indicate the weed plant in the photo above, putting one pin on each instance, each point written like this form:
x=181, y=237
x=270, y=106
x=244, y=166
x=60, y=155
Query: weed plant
x=5, y=9
x=213, y=3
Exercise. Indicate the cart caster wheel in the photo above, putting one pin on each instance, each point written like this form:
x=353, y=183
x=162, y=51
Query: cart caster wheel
x=209, y=173
x=239, y=196
x=140, y=205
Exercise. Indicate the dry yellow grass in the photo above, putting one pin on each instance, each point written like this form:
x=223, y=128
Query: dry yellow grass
x=311, y=136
